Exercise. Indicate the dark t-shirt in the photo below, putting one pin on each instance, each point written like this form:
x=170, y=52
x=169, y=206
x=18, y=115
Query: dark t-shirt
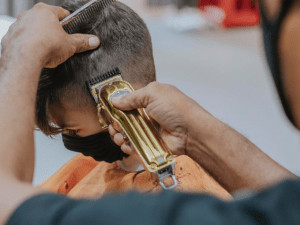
x=278, y=205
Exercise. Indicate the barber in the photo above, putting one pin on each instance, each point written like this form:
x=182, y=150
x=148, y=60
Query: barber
x=32, y=44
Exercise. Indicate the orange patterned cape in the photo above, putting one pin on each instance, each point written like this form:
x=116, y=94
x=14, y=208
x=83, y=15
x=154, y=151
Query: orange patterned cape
x=83, y=177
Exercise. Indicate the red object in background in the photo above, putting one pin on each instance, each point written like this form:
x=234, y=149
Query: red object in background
x=236, y=13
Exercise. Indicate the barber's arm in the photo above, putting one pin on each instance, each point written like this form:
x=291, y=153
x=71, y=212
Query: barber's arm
x=278, y=205
x=188, y=129
x=35, y=41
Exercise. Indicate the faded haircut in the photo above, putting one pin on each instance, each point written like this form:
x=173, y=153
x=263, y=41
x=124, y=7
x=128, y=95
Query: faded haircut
x=125, y=43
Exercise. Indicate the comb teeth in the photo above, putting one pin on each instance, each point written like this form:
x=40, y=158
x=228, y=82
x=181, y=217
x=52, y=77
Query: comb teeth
x=103, y=77
x=81, y=16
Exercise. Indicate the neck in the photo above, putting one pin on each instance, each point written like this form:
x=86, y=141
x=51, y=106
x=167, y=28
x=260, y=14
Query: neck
x=130, y=164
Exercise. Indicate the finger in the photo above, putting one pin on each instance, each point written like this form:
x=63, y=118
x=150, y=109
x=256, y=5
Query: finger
x=127, y=149
x=3, y=42
x=84, y=42
x=111, y=130
x=7, y=36
x=13, y=27
x=135, y=100
x=21, y=15
x=118, y=139
x=60, y=12
x=116, y=126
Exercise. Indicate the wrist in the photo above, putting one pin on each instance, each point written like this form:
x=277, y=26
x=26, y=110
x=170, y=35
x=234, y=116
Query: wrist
x=21, y=58
x=204, y=133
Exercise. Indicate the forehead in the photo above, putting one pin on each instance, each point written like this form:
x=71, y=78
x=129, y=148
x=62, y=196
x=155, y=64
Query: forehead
x=69, y=114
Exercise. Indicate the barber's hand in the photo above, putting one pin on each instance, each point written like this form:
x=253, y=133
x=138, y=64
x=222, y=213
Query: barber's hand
x=169, y=107
x=115, y=134
x=37, y=34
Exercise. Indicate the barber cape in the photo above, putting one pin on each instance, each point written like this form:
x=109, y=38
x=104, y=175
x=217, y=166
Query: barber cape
x=83, y=177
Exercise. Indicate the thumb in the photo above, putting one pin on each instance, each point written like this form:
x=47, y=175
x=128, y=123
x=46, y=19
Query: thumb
x=84, y=42
x=135, y=100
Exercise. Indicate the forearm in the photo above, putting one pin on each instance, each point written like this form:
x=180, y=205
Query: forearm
x=232, y=159
x=35, y=41
x=18, y=82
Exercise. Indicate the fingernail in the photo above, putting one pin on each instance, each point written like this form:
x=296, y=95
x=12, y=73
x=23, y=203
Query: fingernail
x=116, y=99
x=94, y=42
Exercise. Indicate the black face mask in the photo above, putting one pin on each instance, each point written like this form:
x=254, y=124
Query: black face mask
x=271, y=32
x=99, y=146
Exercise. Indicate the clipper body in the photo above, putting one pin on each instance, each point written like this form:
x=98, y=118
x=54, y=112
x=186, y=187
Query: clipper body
x=136, y=126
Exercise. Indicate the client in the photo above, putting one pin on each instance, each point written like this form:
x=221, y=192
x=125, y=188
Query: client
x=65, y=106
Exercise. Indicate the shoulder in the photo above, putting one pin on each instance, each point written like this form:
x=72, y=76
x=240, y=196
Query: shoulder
x=70, y=174
x=193, y=178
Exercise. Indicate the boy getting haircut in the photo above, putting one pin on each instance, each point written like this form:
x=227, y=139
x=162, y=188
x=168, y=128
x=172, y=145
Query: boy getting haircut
x=125, y=43
x=64, y=104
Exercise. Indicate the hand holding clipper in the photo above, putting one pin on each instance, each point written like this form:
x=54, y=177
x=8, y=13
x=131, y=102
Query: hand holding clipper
x=135, y=124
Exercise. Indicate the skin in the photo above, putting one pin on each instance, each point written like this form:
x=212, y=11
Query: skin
x=80, y=120
x=233, y=160
x=224, y=152
x=272, y=7
x=31, y=44
x=83, y=122
x=289, y=48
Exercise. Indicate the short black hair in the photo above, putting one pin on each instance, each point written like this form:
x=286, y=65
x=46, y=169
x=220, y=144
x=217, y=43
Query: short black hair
x=125, y=43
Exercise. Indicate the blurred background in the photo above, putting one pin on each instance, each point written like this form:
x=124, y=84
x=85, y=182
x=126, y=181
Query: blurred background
x=211, y=50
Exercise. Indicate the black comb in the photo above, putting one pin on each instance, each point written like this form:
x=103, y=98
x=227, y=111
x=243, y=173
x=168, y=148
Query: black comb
x=81, y=16
x=73, y=23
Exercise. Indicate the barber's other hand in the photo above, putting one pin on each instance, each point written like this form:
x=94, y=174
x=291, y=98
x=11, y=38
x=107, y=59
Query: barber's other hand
x=37, y=34
x=169, y=107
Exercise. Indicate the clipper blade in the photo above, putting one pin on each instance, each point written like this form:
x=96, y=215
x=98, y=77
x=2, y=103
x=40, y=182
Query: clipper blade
x=95, y=84
x=104, y=77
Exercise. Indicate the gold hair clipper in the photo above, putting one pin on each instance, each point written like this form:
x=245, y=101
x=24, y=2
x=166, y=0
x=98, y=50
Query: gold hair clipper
x=135, y=124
